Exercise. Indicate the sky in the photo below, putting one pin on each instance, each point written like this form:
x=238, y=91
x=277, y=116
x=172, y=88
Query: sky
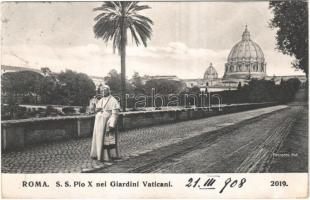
x=187, y=37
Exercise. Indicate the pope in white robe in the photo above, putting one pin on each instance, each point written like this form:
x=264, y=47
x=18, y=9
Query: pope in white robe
x=106, y=109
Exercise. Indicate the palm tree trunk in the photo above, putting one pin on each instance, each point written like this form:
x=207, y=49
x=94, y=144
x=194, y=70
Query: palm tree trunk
x=123, y=66
x=123, y=77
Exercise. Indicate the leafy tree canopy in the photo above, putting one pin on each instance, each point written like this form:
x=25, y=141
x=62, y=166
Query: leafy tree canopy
x=113, y=80
x=116, y=17
x=194, y=90
x=22, y=82
x=164, y=86
x=137, y=83
x=291, y=20
x=75, y=88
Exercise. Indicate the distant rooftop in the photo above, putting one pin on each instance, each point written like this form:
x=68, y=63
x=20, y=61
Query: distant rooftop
x=15, y=68
x=163, y=76
x=97, y=77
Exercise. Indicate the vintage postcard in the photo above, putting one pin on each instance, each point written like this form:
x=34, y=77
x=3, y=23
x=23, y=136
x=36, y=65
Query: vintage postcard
x=123, y=99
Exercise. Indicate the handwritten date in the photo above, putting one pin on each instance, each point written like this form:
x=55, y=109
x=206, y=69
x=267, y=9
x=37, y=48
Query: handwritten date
x=209, y=183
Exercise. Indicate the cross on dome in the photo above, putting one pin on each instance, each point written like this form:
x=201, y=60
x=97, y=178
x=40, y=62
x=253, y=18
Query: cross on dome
x=246, y=34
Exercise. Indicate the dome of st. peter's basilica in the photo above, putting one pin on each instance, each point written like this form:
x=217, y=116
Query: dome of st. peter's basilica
x=245, y=59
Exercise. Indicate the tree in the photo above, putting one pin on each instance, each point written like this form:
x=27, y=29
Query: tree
x=48, y=86
x=239, y=86
x=19, y=87
x=260, y=90
x=291, y=19
x=73, y=89
x=164, y=86
x=285, y=92
x=137, y=83
x=113, y=80
x=194, y=90
x=46, y=71
x=115, y=19
x=24, y=84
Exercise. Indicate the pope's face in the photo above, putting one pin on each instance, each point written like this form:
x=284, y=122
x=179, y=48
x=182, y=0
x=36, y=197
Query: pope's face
x=105, y=92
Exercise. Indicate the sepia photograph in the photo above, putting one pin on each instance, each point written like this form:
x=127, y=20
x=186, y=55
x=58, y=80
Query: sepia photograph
x=194, y=87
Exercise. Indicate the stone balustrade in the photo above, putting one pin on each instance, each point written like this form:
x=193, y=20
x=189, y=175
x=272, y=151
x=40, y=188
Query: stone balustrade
x=18, y=134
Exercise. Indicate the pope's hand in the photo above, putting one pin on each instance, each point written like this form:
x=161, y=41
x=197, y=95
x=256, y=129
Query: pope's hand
x=111, y=128
x=111, y=125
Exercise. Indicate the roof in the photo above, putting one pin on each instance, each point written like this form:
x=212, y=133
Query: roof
x=246, y=49
x=163, y=76
x=15, y=68
x=97, y=77
x=192, y=79
x=210, y=73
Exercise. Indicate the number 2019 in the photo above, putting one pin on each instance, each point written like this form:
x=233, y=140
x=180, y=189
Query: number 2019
x=278, y=183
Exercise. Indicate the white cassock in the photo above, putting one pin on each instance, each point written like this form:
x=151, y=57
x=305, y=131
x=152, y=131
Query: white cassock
x=103, y=120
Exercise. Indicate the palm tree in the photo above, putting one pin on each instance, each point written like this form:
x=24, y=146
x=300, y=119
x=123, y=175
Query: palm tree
x=112, y=23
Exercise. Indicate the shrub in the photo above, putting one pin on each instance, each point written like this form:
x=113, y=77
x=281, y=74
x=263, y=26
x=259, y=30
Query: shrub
x=83, y=109
x=68, y=110
x=5, y=112
x=21, y=113
x=50, y=110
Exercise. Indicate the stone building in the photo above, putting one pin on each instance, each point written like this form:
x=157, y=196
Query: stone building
x=210, y=79
x=210, y=73
x=246, y=60
x=146, y=78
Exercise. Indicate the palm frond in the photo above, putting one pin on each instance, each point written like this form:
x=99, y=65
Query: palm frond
x=105, y=28
x=143, y=33
x=143, y=19
x=131, y=6
x=117, y=41
x=134, y=35
x=142, y=7
x=118, y=14
x=109, y=6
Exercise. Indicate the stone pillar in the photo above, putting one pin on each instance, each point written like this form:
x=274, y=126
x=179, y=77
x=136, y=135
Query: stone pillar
x=85, y=127
x=13, y=138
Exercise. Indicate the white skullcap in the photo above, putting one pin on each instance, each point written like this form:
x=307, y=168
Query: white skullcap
x=105, y=86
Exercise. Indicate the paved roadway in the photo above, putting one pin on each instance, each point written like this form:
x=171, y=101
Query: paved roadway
x=274, y=142
x=250, y=141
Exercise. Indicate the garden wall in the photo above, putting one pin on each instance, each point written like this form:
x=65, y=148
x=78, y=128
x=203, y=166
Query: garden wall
x=18, y=134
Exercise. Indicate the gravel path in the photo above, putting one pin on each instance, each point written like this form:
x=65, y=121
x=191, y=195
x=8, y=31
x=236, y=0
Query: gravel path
x=244, y=147
x=255, y=145
x=292, y=155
